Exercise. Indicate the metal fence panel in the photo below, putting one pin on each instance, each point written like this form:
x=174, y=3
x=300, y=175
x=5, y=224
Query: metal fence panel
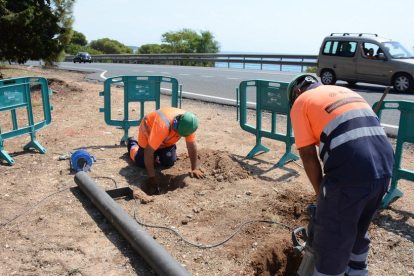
x=137, y=89
x=405, y=135
x=15, y=94
x=270, y=96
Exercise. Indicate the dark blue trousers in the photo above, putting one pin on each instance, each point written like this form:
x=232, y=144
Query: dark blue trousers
x=166, y=156
x=343, y=215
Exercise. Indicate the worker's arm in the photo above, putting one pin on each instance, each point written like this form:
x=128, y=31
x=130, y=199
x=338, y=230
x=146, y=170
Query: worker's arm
x=149, y=165
x=192, y=153
x=312, y=166
x=149, y=160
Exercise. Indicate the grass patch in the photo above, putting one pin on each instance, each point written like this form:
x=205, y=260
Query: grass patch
x=36, y=104
x=73, y=271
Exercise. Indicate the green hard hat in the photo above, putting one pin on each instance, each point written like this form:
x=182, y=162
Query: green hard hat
x=296, y=83
x=188, y=124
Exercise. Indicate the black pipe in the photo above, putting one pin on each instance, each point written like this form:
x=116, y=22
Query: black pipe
x=152, y=252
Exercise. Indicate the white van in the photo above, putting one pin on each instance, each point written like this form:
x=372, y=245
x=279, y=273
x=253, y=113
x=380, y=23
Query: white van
x=366, y=58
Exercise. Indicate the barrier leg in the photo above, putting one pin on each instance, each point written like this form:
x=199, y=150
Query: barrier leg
x=124, y=139
x=34, y=144
x=5, y=156
x=394, y=192
x=259, y=147
x=286, y=157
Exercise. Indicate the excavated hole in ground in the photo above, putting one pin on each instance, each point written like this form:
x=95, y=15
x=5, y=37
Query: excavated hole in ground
x=275, y=257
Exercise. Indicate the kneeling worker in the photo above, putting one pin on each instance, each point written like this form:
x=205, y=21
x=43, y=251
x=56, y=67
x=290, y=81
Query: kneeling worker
x=357, y=162
x=158, y=133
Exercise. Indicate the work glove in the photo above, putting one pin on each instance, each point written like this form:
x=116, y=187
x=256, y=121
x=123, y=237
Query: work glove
x=197, y=173
x=154, y=183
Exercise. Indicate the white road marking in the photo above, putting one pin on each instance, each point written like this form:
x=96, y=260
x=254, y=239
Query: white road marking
x=208, y=96
x=101, y=75
x=166, y=72
x=391, y=126
x=248, y=71
x=233, y=78
x=208, y=76
x=231, y=100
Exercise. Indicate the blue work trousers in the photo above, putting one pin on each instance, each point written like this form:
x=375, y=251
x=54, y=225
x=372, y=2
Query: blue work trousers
x=343, y=215
x=164, y=156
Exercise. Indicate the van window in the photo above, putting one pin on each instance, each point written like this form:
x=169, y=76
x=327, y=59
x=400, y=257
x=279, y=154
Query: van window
x=396, y=50
x=370, y=50
x=340, y=48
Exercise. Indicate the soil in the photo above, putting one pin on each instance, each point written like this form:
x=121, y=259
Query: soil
x=59, y=231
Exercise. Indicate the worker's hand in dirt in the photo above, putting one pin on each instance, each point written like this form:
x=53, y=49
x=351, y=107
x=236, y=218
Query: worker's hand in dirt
x=154, y=183
x=197, y=173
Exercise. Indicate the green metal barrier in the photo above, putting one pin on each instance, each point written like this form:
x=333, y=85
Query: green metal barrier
x=137, y=89
x=270, y=96
x=15, y=94
x=405, y=135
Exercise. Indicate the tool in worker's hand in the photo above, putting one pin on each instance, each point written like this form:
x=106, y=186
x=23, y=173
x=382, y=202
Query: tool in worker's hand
x=308, y=262
x=382, y=99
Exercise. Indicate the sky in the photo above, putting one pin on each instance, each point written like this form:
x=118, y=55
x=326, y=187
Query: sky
x=251, y=26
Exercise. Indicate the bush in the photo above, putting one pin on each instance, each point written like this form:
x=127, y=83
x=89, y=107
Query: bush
x=310, y=69
x=75, y=48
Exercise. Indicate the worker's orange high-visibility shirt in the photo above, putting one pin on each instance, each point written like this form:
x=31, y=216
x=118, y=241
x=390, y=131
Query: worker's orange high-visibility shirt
x=314, y=109
x=160, y=134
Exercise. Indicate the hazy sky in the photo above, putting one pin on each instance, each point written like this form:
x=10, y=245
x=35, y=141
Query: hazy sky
x=265, y=26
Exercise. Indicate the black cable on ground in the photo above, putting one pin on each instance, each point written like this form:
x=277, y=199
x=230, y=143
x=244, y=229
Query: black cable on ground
x=37, y=203
x=207, y=246
x=107, y=177
x=59, y=191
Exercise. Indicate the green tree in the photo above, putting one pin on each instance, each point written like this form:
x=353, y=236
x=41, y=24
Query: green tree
x=35, y=29
x=151, y=49
x=183, y=41
x=206, y=43
x=189, y=41
x=78, y=38
x=75, y=48
x=109, y=46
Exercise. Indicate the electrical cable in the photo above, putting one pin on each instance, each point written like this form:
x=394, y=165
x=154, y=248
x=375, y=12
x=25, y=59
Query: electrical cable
x=154, y=226
x=107, y=177
x=208, y=246
x=59, y=191
x=37, y=203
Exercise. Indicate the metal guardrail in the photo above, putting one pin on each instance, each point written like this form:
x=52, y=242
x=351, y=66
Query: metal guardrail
x=200, y=59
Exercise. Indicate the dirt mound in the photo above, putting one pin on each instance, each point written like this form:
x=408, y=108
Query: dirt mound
x=219, y=166
x=58, y=85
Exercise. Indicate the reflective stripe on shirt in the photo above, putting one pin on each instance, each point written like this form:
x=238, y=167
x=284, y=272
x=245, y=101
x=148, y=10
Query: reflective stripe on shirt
x=146, y=132
x=355, y=134
x=347, y=127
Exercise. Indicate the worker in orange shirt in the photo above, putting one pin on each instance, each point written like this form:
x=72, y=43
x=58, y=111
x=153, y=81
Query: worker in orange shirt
x=158, y=134
x=357, y=162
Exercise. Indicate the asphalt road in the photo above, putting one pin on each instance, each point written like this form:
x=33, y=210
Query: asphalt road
x=219, y=84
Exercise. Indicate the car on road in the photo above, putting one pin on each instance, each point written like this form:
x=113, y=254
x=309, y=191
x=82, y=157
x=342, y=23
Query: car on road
x=82, y=57
x=366, y=58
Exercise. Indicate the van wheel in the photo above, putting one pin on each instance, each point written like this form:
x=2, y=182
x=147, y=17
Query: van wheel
x=328, y=77
x=403, y=83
